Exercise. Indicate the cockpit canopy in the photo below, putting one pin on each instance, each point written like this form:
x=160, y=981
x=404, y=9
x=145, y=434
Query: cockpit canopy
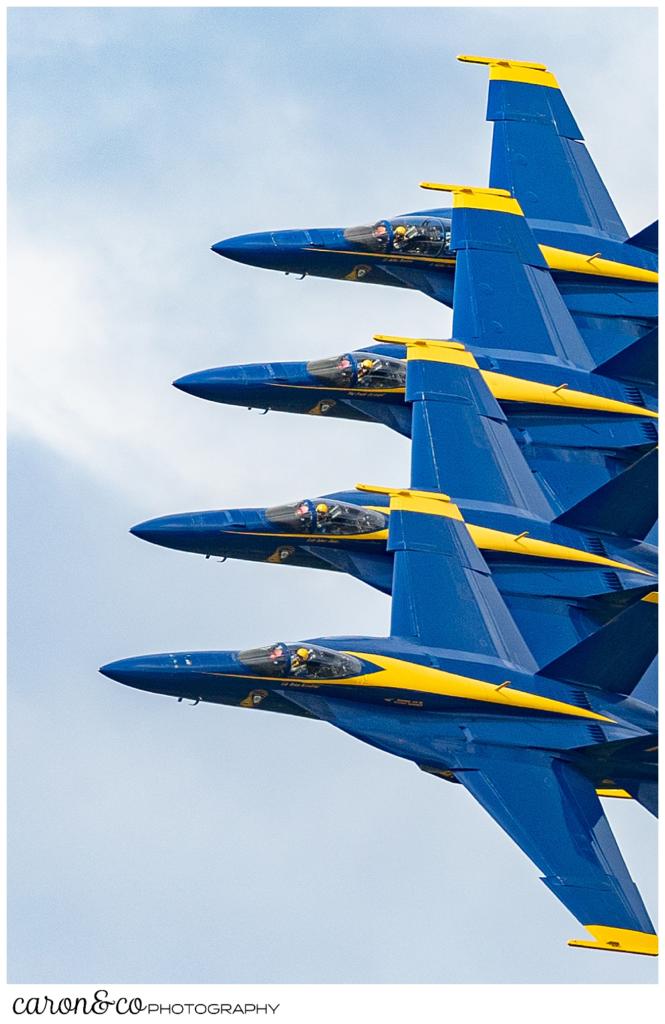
x=300, y=661
x=325, y=516
x=360, y=370
x=408, y=236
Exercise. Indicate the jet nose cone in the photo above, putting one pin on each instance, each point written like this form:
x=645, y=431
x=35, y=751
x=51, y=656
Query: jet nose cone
x=169, y=531
x=253, y=249
x=197, y=384
x=273, y=250
x=129, y=671
x=231, y=385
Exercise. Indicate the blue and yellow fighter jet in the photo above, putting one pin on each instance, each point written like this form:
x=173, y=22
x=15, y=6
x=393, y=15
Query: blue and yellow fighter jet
x=608, y=280
x=578, y=422
x=456, y=686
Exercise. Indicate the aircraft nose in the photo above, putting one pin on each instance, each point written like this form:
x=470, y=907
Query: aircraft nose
x=169, y=531
x=233, y=385
x=279, y=250
x=252, y=249
x=141, y=673
x=190, y=531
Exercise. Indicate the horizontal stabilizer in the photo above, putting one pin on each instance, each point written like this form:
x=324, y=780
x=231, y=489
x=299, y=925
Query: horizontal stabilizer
x=615, y=657
x=626, y=506
x=628, y=765
x=637, y=363
x=647, y=238
x=646, y=794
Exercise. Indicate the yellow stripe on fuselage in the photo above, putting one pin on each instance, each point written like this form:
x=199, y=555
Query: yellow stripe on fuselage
x=406, y=675
x=396, y=674
x=376, y=535
x=521, y=544
x=483, y=537
x=507, y=389
x=557, y=259
x=329, y=387
x=381, y=256
x=516, y=389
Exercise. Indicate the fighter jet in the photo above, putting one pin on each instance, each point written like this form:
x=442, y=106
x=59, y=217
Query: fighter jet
x=461, y=685
x=546, y=571
x=607, y=279
x=457, y=689
x=577, y=421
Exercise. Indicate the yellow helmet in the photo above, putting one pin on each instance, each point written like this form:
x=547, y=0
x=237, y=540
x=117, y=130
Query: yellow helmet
x=368, y=363
x=400, y=229
x=322, y=507
x=303, y=653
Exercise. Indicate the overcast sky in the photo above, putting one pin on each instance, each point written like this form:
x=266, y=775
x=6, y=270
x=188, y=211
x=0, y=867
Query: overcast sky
x=155, y=842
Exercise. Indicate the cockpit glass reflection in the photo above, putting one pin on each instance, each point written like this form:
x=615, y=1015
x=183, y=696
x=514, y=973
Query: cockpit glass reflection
x=360, y=370
x=300, y=661
x=325, y=516
x=408, y=236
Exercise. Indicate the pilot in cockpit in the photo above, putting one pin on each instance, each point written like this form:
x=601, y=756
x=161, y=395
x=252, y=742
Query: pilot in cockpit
x=399, y=238
x=365, y=367
x=300, y=660
x=381, y=235
x=303, y=513
x=324, y=516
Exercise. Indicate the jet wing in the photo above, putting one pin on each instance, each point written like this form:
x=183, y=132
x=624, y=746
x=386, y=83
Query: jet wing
x=538, y=151
x=553, y=814
x=443, y=594
x=461, y=442
x=505, y=299
x=548, y=807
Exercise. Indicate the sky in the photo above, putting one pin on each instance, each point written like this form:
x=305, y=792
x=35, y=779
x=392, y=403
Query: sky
x=150, y=841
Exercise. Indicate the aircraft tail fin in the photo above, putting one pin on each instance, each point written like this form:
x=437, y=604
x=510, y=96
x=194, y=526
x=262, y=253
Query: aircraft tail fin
x=616, y=656
x=627, y=505
x=647, y=238
x=637, y=363
x=538, y=151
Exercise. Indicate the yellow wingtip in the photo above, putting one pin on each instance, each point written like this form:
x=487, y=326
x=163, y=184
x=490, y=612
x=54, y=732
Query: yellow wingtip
x=471, y=190
x=404, y=499
x=436, y=345
x=469, y=196
x=618, y=940
x=469, y=58
x=528, y=72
